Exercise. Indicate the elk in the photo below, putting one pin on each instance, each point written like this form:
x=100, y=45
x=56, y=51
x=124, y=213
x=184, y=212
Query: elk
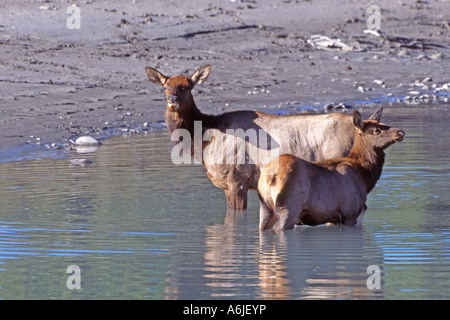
x=311, y=137
x=296, y=191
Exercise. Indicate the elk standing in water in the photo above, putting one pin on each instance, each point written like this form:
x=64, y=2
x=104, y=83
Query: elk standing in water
x=331, y=191
x=312, y=137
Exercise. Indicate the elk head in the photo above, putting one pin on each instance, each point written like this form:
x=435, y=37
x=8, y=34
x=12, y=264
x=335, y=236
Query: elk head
x=178, y=88
x=375, y=134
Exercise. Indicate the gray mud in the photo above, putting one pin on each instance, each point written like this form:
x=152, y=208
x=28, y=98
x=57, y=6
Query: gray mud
x=58, y=83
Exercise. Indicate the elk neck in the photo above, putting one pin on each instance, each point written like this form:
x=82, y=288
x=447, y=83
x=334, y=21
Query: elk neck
x=185, y=116
x=368, y=161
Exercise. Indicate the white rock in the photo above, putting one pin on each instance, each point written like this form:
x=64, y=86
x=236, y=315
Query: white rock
x=86, y=141
x=436, y=56
x=379, y=82
x=403, y=53
x=86, y=144
x=372, y=32
x=325, y=43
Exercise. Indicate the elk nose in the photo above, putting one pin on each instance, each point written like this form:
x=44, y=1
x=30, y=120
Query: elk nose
x=172, y=98
x=401, y=132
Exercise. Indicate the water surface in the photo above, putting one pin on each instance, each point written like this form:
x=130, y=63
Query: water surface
x=140, y=227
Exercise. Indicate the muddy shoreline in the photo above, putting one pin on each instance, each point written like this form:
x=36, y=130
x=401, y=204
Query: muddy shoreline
x=58, y=83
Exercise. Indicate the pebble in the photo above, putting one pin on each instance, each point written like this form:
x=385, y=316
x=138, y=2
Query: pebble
x=444, y=87
x=436, y=56
x=403, y=53
x=421, y=56
x=343, y=106
x=339, y=106
x=81, y=162
x=425, y=97
x=418, y=83
x=58, y=146
x=420, y=98
x=379, y=82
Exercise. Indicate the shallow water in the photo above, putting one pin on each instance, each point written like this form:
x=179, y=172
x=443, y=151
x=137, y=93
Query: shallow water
x=140, y=227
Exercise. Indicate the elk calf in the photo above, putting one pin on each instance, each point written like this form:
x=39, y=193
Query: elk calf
x=295, y=191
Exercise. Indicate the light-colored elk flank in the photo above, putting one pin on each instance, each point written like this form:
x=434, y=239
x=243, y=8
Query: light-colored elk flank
x=331, y=191
x=311, y=137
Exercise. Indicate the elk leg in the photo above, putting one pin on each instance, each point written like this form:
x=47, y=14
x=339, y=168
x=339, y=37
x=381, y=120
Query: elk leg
x=360, y=218
x=288, y=212
x=266, y=216
x=286, y=220
x=354, y=219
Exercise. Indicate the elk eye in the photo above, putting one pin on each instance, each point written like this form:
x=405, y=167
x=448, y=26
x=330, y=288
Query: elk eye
x=377, y=131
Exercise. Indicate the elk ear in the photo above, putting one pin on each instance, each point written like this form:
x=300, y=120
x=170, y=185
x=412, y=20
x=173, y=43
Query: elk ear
x=201, y=74
x=357, y=120
x=155, y=76
x=377, y=115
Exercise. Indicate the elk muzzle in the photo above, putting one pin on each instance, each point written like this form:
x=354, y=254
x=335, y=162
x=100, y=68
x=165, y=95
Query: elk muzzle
x=401, y=135
x=172, y=99
x=172, y=102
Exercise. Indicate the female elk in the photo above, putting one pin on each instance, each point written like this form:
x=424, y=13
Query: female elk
x=295, y=191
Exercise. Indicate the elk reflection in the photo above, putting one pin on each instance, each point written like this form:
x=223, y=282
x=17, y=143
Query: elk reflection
x=310, y=262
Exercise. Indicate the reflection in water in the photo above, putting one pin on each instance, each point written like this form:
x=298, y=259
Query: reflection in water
x=321, y=262
x=140, y=227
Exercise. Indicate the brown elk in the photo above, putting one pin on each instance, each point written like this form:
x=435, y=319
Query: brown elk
x=297, y=191
x=311, y=137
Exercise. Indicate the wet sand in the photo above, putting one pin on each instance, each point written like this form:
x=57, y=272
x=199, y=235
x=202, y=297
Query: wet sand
x=57, y=83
